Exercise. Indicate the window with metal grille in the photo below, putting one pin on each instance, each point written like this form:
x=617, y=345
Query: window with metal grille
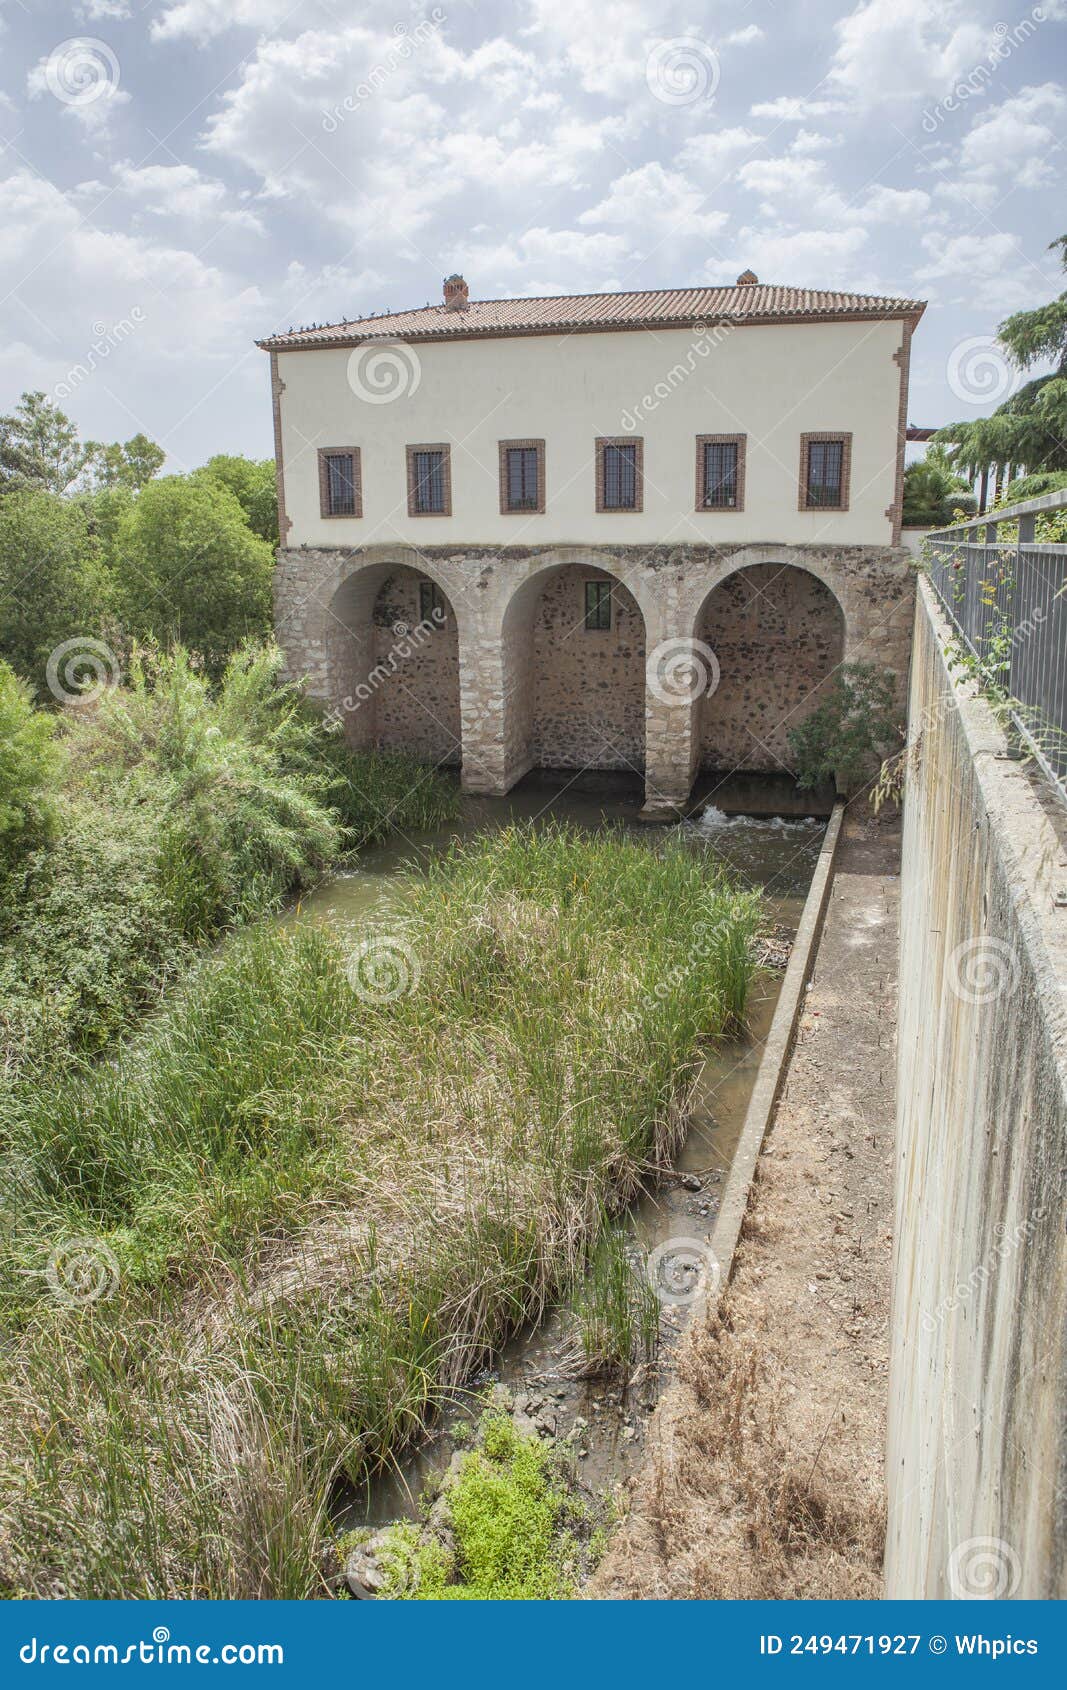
x=429, y=479
x=619, y=471
x=597, y=605
x=720, y=474
x=431, y=602
x=341, y=489
x=826, y=460
x=522, y=479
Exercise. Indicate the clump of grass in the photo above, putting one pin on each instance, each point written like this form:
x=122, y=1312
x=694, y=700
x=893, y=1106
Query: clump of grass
x=615, y=1309
x=323, y=1206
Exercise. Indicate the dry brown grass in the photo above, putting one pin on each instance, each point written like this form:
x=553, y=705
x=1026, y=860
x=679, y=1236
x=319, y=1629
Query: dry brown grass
x=734, y=1505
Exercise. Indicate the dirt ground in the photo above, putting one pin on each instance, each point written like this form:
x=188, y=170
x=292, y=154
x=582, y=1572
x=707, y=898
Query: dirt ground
x=765, y=1471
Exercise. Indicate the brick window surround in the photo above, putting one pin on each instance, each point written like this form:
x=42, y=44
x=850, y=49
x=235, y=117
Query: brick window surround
x=446, y=478
x=840, y=438
x=738, y=440
x=538, y=507
x=638, y=446
x=356, y=474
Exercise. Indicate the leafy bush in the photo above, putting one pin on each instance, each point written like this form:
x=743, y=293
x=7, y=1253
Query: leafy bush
x=933, y=493
x=849, y=733
x=182, y=809
x=237, y=828
x=29, y=767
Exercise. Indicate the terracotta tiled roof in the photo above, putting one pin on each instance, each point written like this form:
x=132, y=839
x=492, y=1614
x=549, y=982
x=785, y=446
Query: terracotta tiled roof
x=667, y=308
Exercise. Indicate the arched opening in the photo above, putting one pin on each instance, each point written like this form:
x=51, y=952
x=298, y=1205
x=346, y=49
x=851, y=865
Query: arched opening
x=394, y=662
x=778, y=634
x=574, y=672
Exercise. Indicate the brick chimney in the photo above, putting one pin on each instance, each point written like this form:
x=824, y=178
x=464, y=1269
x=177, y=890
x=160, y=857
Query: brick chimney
x=456, y=294
x=747, y=279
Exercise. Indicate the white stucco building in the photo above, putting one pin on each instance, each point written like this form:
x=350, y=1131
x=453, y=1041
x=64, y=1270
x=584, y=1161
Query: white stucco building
x=560, y=492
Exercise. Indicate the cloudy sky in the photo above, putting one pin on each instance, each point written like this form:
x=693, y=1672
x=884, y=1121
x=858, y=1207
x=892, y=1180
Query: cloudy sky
x=178, y=177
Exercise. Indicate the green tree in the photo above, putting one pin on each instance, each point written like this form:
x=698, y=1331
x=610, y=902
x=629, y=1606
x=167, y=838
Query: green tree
x=933, y=492
x=252, y=482
x=131, y=464
x=51, y=583
x=29, y=767
x=1031, y=427
x=187, y=567
x=847, y=735
x=40, y=447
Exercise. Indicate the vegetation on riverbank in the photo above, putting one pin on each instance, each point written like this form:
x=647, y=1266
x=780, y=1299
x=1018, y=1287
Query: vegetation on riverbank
x=249, y=1255
x=141, y=824
x=509, y=1524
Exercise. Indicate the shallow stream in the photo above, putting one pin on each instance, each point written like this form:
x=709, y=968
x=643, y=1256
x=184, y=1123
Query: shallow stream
x=607, y=1420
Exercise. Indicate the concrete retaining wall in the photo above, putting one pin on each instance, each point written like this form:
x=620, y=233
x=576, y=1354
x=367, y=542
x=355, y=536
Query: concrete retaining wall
x=977, y=1456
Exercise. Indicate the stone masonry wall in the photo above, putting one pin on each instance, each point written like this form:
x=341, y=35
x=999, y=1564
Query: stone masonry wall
x=525, y=697
x=777, y=634
x=589, y=685
x=417, y=670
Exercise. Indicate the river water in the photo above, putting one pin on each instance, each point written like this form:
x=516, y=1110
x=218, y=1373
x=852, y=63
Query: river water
x=606, y=1420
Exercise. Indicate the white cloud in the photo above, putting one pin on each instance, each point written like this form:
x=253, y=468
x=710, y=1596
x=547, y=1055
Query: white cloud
x=900, y=49
x=808, y=141
x=744, y=37
x=543, y=261
x=179, y=190
x=893, y=205
x=800, y=178
x=90, y=11
x=1018, y=136
x=791, y=108
x=203, y=19
x=802, y=257
x=715, y=150
x=377, y=141
x=969, y=255
x=990, y=271
x=655, y=205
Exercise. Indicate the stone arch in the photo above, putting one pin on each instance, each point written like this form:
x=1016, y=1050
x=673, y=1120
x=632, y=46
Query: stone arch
x=574, y=696
x=393, y=668
x=779, y=633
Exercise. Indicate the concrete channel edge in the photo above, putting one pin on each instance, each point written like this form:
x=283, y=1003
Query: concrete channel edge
x=774, y=1061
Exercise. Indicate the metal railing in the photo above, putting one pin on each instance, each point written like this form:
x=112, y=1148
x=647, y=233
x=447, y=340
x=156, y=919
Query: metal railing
x=1006, y=594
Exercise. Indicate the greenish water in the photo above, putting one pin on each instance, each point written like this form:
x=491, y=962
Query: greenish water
x=778, y=854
